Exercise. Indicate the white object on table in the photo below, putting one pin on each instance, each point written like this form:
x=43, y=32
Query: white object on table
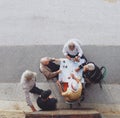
x=68, y=67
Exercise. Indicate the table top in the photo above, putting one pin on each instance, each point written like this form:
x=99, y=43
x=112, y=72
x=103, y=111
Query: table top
x=68, y=67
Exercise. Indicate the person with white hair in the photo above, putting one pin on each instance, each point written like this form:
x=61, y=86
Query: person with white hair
x=92, y=73
x=28, y=82
x=50, y=67
x=72, y=50
x=74, y=90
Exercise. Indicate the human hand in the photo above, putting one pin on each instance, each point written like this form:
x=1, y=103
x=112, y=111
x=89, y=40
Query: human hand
x=57, y=60
x=72, y=75
x=76, y=59
x=50, y=96
x=77, y=69
x=53, y=59
x=68, y=57
x=58, y=83
x=33, y=108
x=85, y=68
x=59, y=71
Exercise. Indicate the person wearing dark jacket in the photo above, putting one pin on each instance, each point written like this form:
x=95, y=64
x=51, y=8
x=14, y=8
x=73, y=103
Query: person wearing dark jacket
x=46, y=102
x=92, y=73
x=49, y=67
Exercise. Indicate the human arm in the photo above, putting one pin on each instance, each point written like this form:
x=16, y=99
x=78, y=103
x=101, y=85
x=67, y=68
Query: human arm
x=60, y=87
x=80, y=67
x=55, y=59
x=65, y=94
x=68, y=57
x=51, y=75
x=48, y=74
x=28, y=100
x=77, y=58
x=75, y=78
x=65, y=51
x=79, y=50
x=33, y=108
x=66, y=54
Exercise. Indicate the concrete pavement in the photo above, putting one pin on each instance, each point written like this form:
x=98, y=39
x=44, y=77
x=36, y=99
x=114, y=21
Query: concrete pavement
x=103, y=100
x=12, y=114
x=16, y=59
x=111, y=116
x=88, y=113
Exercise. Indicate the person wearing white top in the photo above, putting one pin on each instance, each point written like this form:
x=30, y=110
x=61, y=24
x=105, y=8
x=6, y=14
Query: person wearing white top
x=28, y=82
x=72, y=50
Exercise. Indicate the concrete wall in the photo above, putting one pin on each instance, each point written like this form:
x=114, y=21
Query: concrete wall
x=29, y=22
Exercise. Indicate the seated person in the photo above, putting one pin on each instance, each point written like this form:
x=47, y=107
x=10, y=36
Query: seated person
x=49, y=67
x=73, y=50
x=46, y=102
x=28, y=82
x=74, y=89
x=92, y=73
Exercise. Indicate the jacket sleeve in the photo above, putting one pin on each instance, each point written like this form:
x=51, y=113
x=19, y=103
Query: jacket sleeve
x=79, y=49
x=48, y=74
x=27, y=96
x=82, y=65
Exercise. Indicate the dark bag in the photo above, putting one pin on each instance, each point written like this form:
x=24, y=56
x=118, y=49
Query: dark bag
x=94, y=76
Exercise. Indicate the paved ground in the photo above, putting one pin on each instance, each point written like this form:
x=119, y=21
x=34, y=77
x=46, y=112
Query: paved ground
x=12, y=114
x=28, y=22
x=39, y=28
x=111, y=116
x=15, y=59
x=102, y=100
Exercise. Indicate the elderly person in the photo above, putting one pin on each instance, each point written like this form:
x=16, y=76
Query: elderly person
x=74, y=89
x=72, y=50
x=49, y=67
x=28, y=82
x=92, y=73
x=47, y=102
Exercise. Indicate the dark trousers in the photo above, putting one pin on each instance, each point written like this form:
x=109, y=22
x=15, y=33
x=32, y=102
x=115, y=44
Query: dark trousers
x=82, y=57
x=73, y=56
x=36, y=90
x=53, y=67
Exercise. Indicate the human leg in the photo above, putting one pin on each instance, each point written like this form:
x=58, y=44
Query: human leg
x=36, y=90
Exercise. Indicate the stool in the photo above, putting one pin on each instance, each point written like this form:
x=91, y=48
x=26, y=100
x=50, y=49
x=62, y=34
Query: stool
x=72, y=102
